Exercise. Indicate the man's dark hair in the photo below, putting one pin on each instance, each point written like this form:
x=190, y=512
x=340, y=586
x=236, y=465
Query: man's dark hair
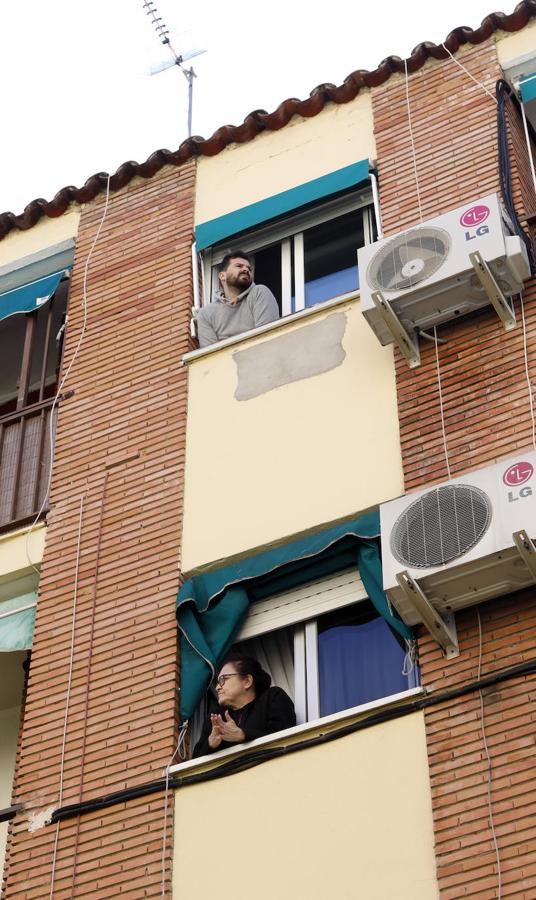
x=248, y=665
x=234, y=254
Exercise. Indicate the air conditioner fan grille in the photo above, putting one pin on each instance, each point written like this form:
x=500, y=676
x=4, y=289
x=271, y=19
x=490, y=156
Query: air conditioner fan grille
x=441, y=526
x=409, y=259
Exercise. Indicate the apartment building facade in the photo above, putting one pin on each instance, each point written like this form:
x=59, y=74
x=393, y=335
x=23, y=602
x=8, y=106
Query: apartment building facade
x=249, y=474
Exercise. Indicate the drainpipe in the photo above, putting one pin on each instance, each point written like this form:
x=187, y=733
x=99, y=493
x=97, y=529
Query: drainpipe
x=376, y=201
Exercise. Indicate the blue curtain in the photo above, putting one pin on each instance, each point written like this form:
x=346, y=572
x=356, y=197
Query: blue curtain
x=357, y=664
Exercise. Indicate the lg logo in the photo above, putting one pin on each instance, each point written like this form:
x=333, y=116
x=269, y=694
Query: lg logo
x=473, y=218
x=518, y=475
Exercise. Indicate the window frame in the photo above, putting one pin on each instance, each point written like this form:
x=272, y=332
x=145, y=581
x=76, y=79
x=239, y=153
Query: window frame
x=289, y=233
x=310, y=601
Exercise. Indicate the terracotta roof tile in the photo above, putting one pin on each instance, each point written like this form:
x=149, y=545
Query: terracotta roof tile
x=259, y=120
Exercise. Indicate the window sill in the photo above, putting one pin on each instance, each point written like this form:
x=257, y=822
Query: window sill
x=272, y=326
x=295, y=735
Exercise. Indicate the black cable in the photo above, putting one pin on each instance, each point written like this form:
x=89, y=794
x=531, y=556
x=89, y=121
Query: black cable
x=503, y=92
x=257, y=756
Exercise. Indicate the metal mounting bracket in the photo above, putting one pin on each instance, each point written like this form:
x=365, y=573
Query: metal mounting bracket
x=495, y=295
x=443, y=629
x=526, y=549
x=408, y=347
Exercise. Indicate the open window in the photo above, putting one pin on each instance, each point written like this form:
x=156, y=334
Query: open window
x=326, y=646
x=307, y=257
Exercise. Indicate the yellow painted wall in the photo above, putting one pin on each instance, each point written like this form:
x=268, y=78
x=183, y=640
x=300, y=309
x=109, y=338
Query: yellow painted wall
x=298, y=457
x=511, y=46
x=16, y=546
x=9, y=726
x=46, y=233
x=350, y=820
x=278, y=160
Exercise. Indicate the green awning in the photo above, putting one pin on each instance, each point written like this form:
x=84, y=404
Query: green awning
x=17, y=618
x=215, y=230
x=30, y=296
x=527, y=87
x=211, y=607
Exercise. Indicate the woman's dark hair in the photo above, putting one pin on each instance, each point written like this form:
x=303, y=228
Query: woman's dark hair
x=248, y=665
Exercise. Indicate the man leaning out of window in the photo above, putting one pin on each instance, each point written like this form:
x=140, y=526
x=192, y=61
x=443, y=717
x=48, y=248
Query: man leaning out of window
x=238, y=305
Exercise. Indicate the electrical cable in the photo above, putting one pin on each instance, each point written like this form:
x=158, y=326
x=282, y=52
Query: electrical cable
x=178, y=749
x=488, y=758
x=527, y=374
x=68, y=694
x=441, y=409
x=260, y=755
x=467, y=72
x=66, y=374
x=414, y=155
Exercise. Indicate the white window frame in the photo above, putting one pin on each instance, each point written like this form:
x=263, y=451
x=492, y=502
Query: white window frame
x=289, y=233
x=300, y=608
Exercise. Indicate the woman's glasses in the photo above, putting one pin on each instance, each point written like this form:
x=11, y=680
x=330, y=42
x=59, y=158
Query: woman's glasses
x=221, y=679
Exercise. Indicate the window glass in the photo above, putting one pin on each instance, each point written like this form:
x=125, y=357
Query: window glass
x=267, y=269
x=359, y=659
x=330, y=257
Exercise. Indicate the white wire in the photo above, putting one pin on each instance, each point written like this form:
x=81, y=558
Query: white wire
x=445, y=447
x=65, y=376
x=68, y=694
x=410, y=659
x=178, y=749
x=527, y=375
x=488, y=757
x=412, y=142
x=472, y=77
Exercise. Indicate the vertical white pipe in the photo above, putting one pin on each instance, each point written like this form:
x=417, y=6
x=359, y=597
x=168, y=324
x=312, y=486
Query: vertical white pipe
x=376, y=201
x=195, y=276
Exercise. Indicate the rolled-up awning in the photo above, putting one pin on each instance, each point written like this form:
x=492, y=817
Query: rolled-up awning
x=29, y=297
x=215, y=230
x=17, y=618
x=212, y=607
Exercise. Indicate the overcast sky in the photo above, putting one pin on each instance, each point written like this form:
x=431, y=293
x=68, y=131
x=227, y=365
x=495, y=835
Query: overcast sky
x=77, y=99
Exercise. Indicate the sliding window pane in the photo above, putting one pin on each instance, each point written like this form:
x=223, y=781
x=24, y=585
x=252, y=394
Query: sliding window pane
x=330, y=257
x=359, y=659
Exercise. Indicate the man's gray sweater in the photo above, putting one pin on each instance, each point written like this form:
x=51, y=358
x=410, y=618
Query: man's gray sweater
x=222, y=319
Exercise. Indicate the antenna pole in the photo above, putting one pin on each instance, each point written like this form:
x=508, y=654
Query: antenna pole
x=163, y=34
x=190, y=75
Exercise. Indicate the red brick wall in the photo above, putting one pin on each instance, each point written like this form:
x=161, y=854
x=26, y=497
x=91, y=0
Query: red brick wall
x=466, y=859
x=119, y=448
x=485, y=394
x=487, y=417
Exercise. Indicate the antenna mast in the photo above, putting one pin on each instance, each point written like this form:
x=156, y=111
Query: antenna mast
x=178, y=59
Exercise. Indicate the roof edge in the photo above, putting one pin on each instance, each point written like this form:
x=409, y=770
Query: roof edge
x=259, y=120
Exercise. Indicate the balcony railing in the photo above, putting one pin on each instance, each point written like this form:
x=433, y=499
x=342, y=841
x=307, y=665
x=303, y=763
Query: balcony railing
x=24, y=463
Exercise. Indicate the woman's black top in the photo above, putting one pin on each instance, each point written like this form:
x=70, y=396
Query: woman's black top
x=273, y=710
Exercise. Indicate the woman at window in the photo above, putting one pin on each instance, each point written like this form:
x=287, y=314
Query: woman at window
x=248, y=707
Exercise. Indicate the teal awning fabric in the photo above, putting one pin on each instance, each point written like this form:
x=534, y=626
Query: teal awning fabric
x=30, y=296
x=17, y=618
x=211, y=607
x=527, y=87
x=215, y=230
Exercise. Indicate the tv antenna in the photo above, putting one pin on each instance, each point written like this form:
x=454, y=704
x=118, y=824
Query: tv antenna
x=177, y=59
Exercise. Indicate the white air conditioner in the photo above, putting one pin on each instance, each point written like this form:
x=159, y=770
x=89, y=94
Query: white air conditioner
x=444, y=268
x=459, y=543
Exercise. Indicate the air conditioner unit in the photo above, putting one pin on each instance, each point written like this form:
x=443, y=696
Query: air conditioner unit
x=444, y=268
x=459, y=543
